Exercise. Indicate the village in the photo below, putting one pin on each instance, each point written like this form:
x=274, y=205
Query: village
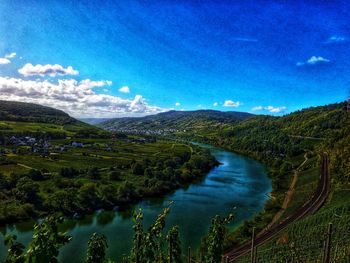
x=147, y=132
x=16, y=144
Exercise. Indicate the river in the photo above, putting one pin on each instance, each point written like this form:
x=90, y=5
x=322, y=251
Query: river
x=240, y=185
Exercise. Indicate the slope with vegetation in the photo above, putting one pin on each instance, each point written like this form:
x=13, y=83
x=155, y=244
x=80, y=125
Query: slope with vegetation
x=82, y=168
x=176, y=120
x=19, y=118
x=283, y=143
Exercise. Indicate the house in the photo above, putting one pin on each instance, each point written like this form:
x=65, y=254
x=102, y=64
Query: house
x=30, y=140
x=63, y=148
x=77, y=144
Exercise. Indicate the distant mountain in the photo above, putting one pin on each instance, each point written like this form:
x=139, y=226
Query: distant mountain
x=94, y=121
x=178, y=120
x=30, y=112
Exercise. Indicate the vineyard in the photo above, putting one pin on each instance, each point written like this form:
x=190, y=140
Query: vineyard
x=323, y=237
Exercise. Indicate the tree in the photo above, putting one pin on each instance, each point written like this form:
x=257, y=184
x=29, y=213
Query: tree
x=3, y=181
x=96, y=251
x=137, y=169
x=127, y=191
x=26, y=190
x=114, y=175
x=87, y=195
x=94, y=173
x=168, y=173
x=35, y=175
x=138, y=239
x=15, y=250
x=46, y=242
x=148, y=172
x=147, y=246
x=62, y=200
x=174, y=249
x=108, y=194
x=68, y=172
x=214, y=241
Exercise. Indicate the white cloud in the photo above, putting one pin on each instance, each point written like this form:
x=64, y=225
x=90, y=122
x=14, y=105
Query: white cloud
x=76, y=98
x=48, y=69
x=230, y=103
x=177, y=104
x=87, y=83
x=314, y=60
x=336, y=39
x=4, y=61
x=11, y=55
x=243, y=39
x=257, y=108
x=124, y=89
x=215, y=104
x=273, y=109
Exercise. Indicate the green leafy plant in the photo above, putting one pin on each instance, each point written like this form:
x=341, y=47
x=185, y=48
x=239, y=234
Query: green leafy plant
x=96, y=251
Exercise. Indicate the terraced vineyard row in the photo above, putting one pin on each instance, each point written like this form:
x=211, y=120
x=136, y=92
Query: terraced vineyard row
x=306, y=240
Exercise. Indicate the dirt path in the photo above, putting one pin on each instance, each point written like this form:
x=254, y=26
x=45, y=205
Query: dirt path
x=25, y=166
x=289, y=194
x=306, y=137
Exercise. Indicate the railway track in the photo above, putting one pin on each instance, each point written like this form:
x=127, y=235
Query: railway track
x=310, y=207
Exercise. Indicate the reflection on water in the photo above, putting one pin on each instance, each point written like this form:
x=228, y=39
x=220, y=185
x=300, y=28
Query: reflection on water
x=239, y=185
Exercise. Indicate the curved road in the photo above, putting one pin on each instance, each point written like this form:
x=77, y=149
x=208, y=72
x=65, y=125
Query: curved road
x=310, y=207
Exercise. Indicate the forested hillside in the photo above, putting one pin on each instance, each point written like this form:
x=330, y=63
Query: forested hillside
x=266, y=138
x=177, y=120
x=314, y=130
x=281, y=143
x=318, y=128
x=23, y=119
x=29, y=112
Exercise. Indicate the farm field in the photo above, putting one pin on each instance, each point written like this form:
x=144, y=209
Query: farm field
x=101, y=153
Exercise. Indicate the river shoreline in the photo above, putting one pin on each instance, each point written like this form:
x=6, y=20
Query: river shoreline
x=239, y=181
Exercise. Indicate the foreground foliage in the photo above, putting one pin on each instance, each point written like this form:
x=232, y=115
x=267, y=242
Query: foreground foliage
x=149, y=246
x=44, y=247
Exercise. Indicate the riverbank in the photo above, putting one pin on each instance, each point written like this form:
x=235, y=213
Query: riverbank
x=102, y=174
x=239, y=182
x=281, y=171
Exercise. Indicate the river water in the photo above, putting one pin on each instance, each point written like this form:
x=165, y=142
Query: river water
x=240, y=185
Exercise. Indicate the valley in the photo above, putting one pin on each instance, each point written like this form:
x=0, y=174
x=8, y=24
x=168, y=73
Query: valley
x=73, y=172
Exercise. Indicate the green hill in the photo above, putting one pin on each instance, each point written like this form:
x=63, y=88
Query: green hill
x=28, y=118
x=316, y=130
x=283, y=144
x=30, y=112
x=177, y=120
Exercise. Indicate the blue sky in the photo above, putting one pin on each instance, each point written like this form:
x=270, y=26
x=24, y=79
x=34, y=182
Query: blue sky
x=266, y=57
